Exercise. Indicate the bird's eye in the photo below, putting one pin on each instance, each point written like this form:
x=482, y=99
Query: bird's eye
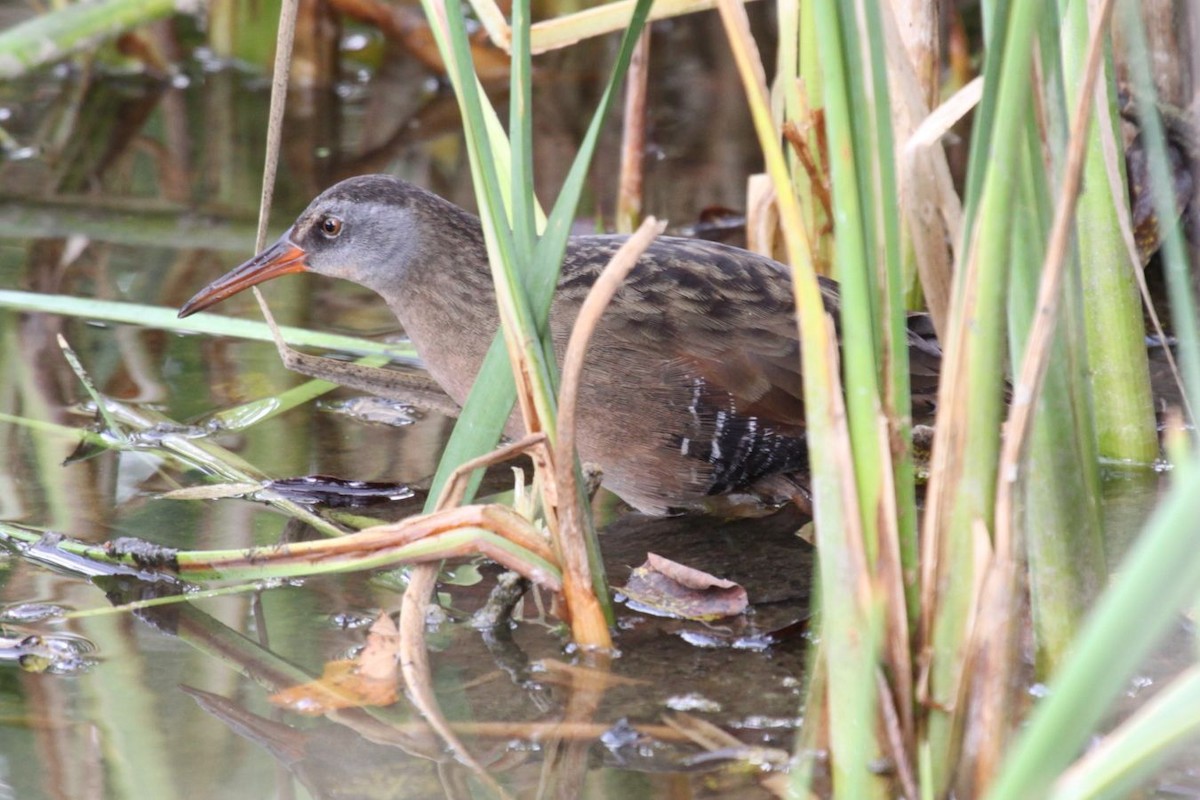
x=330, y=226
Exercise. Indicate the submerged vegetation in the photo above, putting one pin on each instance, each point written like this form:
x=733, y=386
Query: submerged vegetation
x=939, y=602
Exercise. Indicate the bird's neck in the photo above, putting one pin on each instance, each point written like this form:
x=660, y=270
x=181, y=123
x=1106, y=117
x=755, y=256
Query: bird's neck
x=447, y=304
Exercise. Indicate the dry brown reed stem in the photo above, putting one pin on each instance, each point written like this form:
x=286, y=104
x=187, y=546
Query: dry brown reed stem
x=414, y=659
x=414, y=656
x=890, y=584
x=896, y=738
x=279, y=83
x=378, y=540
x=285, y=37
x=762, y=215
x=588, y=625
x=455, y=488
x=1028, y=383
x=559, y=32
x=919, y=25
x=418, y=677
x=931, y=205
x=633, y=136
x=818, y=176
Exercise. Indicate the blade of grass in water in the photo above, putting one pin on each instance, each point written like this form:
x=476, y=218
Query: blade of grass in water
x=1137, y=748
x=214, y=324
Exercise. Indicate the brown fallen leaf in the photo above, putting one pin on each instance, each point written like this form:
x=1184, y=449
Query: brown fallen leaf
x=371, y=679
x=666, y=587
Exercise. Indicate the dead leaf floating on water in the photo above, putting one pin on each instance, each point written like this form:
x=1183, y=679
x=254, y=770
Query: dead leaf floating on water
x=371, y=679
x=668, y=588
x=337, y=492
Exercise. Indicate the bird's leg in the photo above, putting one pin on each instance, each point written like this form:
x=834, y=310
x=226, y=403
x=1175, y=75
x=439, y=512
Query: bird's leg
x=405, y=387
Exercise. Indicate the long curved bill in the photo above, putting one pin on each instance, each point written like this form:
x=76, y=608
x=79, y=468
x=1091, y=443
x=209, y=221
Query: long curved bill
x=280, y=258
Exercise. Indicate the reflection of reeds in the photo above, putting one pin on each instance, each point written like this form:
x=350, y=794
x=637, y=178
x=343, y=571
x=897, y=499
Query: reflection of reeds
x=51, y=37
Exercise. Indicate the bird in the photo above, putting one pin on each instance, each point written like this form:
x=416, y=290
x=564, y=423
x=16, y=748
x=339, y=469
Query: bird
x=691, y=398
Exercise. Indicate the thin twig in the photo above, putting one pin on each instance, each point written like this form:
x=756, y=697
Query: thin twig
x=895, y=735
x=633, y=137
x=415, y=669
x=455, y=488
x=279, y=86
x=110, y=422
x=414, y=666
x=818, y=179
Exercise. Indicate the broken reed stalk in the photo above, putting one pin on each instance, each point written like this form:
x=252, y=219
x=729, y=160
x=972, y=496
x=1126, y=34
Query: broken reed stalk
x=633, y=137
x=418, y=677
x=930, y=204
x=492, y=530
x=588, y=625
x=280, y=78
x=422, y=583
x=454, y=491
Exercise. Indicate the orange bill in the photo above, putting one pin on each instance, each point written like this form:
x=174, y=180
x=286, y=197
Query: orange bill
x=280, y=258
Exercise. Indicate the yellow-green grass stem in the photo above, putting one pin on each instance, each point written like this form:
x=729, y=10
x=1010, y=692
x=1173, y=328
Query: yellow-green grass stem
x=1119, y=364
x=966, y=447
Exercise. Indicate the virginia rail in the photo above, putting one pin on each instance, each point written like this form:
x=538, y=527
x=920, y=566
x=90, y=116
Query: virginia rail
x=691, y=396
